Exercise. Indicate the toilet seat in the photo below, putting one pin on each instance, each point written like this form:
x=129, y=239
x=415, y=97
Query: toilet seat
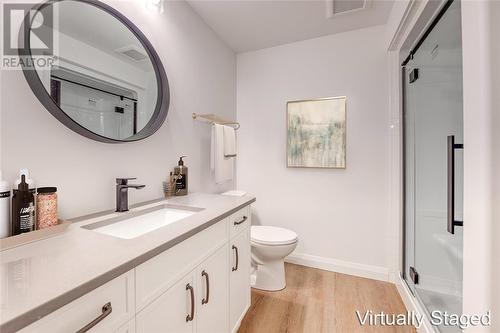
x=267, y=235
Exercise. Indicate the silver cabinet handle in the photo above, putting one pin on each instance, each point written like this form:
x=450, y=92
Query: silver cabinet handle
x=190, y=316
x=240, y=222
x=207, y=280
x=452, y=223
x=235, y=268
x=106, y=311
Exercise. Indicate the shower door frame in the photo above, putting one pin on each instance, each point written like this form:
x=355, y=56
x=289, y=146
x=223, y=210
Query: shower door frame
x=432, y=22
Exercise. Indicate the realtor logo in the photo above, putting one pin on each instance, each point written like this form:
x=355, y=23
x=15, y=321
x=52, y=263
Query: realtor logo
x=41, y=23
x=28, y=40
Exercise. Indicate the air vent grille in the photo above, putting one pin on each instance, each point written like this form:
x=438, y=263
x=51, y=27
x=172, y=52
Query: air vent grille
x=338, y=7
x=133, y=53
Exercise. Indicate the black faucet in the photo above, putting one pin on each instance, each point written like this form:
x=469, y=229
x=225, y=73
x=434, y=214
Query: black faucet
x=122, y=187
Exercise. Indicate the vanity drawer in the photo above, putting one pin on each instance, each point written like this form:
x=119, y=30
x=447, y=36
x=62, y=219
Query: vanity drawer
x=239, y=221
x=156, y=275
x=91, y=307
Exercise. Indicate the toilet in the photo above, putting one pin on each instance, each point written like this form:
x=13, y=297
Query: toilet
x=270, y=246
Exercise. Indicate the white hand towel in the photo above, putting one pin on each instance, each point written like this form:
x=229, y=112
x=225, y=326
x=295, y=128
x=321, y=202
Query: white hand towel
x=229, y=141
x=222, y=166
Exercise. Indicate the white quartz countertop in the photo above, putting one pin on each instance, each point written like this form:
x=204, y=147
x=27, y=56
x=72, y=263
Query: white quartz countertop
x=38, y=278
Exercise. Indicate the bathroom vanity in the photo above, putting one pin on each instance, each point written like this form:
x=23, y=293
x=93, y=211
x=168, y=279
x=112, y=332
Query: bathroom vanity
x=177, y=265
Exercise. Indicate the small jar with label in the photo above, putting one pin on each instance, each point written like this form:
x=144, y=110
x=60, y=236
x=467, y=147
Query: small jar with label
x=46, y=207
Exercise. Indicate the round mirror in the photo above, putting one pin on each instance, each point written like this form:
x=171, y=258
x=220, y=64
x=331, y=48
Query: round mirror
x=94, y=70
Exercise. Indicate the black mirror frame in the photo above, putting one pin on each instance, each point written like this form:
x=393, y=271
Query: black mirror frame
x=163, y=90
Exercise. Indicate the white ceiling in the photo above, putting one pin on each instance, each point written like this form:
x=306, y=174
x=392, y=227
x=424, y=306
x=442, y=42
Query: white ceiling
x=247, y=25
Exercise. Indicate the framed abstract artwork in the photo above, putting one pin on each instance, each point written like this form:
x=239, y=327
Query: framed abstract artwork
x=316, y=133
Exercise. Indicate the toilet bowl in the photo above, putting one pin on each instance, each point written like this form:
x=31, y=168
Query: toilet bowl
x=270, y=246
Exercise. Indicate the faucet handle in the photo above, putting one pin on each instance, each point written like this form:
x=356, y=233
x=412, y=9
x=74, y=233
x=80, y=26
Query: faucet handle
x=124, y=181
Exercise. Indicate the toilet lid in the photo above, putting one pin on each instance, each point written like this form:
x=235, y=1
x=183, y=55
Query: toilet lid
x=268, y=235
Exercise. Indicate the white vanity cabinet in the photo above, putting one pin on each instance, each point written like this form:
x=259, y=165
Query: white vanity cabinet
x=239, y=278
x=159, y=273
x=105, y=309
x=239, y=221
x=170, y=311
x=198, y=302
x=213, y=293
x=201, y=284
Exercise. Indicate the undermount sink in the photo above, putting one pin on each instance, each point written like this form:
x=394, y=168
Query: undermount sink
x=137, y=223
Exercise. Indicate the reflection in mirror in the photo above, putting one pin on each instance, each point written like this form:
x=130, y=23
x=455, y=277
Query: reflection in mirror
x=102, y=76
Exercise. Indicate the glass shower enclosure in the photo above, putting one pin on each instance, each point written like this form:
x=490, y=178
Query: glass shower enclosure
x=433, y=177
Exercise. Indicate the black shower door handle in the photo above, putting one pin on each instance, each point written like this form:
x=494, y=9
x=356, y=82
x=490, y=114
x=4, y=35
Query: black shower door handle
x=451, y=222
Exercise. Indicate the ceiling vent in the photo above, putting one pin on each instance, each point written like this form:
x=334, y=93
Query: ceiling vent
x=133, y=53
x=341, y=7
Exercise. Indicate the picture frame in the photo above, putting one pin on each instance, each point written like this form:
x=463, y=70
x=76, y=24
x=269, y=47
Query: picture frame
x=316, y=133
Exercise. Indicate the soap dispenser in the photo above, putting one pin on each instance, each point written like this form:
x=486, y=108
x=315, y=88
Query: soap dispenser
x=181, y=176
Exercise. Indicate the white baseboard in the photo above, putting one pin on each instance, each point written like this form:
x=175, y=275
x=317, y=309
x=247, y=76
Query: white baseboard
x=412, y=305
x=340, y=266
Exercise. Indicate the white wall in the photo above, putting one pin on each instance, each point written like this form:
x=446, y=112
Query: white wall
x=340, y=215
x=495, y=150
x=202, y=76
x=481, y=291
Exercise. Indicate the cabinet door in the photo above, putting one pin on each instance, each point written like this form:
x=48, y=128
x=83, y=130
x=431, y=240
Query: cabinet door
x=172, y=311
x=239, y=278
x=213, y=295
x=127, y=328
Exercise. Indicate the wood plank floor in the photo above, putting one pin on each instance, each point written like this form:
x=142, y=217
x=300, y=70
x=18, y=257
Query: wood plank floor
x=321, y=301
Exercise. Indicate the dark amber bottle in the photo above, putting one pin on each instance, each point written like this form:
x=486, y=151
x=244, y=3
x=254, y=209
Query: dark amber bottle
x=23, y=209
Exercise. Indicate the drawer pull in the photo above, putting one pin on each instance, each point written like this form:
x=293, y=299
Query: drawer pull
x=190, y=316
x=235, y=268
x=207, y=280
x=240, y=222
x=106, y=311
